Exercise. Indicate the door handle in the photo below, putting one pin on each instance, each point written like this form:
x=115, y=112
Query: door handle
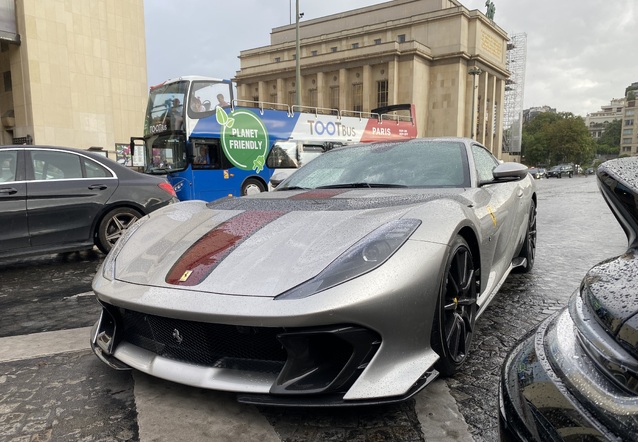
x=97, y=187
x=8, y=191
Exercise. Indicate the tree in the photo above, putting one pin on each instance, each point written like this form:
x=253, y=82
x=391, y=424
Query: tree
x=552, y=138
x=609, y=141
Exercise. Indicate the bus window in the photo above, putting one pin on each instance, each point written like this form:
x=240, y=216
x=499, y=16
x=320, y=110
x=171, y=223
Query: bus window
x=205, y=96
x=283, y=155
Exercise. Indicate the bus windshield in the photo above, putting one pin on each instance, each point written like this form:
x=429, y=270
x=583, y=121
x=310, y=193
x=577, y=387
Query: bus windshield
x=167, y=153
x=165, y=109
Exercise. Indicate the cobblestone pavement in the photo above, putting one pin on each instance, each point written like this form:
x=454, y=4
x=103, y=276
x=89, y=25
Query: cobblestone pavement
x=73, y=396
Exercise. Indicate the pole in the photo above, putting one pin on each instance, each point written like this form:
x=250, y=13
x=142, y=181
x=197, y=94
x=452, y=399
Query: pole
x=297, y=61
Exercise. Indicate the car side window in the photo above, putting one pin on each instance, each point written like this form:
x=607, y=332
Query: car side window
x=94, y=170
x=484, y=162
x=8, y=164
x=55, y=165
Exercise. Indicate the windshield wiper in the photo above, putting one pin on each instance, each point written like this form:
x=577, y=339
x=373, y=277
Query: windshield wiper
x=292, y=188
x=362, y=185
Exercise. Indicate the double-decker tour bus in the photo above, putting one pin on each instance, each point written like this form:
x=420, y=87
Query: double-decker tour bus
x=211, y=145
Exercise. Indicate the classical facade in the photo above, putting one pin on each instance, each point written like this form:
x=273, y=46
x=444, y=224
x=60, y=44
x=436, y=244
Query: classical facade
x=596, y=121
x=73, y=72
x=400, y=51
x=629, y=129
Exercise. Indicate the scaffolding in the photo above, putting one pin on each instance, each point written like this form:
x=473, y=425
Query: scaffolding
x=514, y=92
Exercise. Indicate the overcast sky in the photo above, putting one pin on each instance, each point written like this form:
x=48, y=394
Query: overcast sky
x=580, y=53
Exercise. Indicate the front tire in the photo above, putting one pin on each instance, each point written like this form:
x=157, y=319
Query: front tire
x=456, y=309
x=113, y=225
x=252, y=187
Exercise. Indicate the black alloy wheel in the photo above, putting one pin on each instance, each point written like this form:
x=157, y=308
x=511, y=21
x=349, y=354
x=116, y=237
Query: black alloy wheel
x=456, y=309
x=113, y=225
x=528, y=251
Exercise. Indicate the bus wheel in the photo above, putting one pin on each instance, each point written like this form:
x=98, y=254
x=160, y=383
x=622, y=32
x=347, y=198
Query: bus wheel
x=252, y=186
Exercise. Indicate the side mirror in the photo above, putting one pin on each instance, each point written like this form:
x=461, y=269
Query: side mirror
x=618, y=182
x=508, y=172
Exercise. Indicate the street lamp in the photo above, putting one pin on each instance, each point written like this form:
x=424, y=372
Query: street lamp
x=473, y=71
x=297, y=58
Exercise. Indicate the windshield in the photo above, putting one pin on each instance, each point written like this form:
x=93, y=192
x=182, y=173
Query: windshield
x=205, y=95
x=165, y=109
x=414, y=163
x=167, y=153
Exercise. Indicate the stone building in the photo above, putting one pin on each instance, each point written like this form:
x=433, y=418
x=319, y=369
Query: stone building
x=596, y=121
x=400, y=51
x=73, y=72
x=629, y=129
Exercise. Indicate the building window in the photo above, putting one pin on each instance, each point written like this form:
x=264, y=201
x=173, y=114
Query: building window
x=277, y=59
x=626, y=141
x=355, y=45
x=401, y=38
x=382, y=93
x=312, y=97
x=629, y=113
x=627, y=131
x=333, y=49
x=334, y=97
x=314, y=53
x=626, y=148
x=255, y=98
x=294, y=56
x=273, y=97
x=377, y=41
x=629, y=122
x=6, y=77
x=357, y=97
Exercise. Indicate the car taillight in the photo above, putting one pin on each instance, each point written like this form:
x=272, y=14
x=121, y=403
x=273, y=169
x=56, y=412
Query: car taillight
x=168, y=188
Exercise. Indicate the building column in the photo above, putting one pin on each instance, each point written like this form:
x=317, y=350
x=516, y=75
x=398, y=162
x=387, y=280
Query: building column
x=490, y=115
x=262, y=91
x=482, y=111
x=393, y=81
x=281, y=90
x=368, y=89
x=500, y=105
x=321, y=89
x=344, y=100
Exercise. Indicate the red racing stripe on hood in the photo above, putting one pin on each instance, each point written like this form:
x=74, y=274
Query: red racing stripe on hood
x=203, y=256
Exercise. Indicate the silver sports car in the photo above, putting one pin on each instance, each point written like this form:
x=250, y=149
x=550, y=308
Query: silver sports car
x=357, y=281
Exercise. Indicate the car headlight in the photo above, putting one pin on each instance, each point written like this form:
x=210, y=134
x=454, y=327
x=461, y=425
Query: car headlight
x=108, y=267
x=366, y=255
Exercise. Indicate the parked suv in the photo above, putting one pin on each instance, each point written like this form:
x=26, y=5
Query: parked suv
x=560, y=171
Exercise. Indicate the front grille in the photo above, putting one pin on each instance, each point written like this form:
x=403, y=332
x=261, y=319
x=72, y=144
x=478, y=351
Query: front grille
x=201, y=343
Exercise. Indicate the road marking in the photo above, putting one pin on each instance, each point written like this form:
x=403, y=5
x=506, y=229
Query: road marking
x=36, y=345
x=80, y=295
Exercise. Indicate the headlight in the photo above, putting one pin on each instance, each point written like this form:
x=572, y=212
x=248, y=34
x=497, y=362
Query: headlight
x=108, y=267
x=364, y=256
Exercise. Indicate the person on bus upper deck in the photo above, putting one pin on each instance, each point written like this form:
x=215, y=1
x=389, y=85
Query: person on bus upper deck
x=196, y=104
x=177, y=112
x=222, y=101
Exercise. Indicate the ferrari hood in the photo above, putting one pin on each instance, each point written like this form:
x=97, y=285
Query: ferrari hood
x=259, y=246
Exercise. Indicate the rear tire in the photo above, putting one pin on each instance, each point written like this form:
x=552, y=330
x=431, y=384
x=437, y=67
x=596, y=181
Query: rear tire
x=529, y=245
x=113, y=225
x=252, y=186
x=455, y=312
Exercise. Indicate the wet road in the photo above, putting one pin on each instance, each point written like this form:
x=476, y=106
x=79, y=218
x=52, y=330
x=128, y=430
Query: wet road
x=70, y=395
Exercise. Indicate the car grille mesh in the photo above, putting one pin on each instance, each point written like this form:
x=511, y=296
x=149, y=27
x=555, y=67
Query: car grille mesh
x=201, y=343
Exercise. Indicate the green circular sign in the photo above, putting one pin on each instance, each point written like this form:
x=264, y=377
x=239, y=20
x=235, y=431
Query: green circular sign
x=244, y=139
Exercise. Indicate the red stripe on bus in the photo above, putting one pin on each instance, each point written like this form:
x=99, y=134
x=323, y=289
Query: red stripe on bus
x=203, y=256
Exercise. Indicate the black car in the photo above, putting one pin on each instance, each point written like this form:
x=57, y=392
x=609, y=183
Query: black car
x=560, y=171
x=575, y=378
x=55, y=199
